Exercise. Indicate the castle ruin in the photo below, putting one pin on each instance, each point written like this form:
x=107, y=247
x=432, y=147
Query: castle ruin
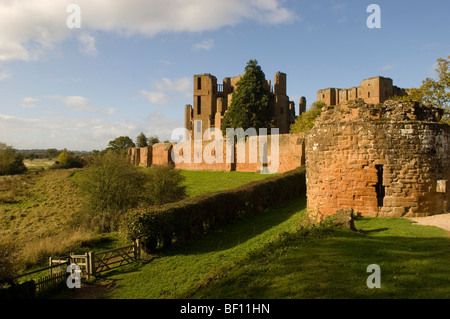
x=374, y=90
x=367, y=153
x=211, y=101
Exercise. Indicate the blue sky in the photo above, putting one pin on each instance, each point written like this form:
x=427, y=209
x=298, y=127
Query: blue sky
x=130, y=67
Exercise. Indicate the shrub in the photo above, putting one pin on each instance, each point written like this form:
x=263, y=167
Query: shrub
x=193, y=217
x=164, y=185
x=11, y=163
x=111, y=185
x=68, y=160
x=8, y=263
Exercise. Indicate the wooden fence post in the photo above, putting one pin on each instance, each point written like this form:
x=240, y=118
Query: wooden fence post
x=50, y=264
x=91, y=264
x=137, y=249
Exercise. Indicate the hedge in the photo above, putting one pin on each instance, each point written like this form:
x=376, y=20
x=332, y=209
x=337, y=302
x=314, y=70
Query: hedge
x=160, y=227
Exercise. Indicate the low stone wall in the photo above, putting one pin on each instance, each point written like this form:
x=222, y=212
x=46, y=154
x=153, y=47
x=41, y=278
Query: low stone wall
x=207, y=156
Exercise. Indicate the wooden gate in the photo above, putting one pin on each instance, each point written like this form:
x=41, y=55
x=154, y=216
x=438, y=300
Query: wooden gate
x=111, y=259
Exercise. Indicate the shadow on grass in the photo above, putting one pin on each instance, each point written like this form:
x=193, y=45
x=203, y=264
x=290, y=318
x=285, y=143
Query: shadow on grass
x=375, y=230
x=335, y=267
x=240, y=232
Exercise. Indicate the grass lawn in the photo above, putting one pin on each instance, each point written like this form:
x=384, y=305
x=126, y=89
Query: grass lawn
x=199, y=182
x=272, y=256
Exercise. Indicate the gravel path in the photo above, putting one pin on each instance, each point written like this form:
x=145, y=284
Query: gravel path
x=442, y=221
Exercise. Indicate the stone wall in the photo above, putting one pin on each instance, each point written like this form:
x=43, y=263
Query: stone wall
x=373, y=90
x=380, y=160
x=291, y=148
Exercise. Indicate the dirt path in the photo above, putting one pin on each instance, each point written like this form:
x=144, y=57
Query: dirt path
x=441, y=221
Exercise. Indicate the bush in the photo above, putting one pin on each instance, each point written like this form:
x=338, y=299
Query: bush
x=8, y=263
x=111, y=185
x=68, y=160
x=164, y=185
x=193, y=217
x=11, y=163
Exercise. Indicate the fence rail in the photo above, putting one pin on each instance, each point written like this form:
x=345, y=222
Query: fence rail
x=90, y=264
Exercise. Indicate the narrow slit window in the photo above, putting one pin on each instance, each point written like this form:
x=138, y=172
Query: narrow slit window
x=380, y=189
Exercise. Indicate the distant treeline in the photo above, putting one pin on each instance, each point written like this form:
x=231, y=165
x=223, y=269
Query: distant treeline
x=48, y=153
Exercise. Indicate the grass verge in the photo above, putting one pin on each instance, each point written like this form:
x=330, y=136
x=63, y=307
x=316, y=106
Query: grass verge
x=273, y=256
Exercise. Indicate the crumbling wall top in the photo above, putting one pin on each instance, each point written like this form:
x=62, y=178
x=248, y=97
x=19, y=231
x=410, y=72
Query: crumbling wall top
x=358, y=110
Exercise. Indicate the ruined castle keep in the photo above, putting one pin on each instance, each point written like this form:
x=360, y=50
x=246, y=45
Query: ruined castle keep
x=211, y=101
x=373, y=90
x=390, y=159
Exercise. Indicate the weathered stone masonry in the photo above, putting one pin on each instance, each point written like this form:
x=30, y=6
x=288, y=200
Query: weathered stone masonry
x=380, y=160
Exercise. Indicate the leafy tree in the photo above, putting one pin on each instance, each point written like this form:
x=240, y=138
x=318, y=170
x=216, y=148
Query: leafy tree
x=153, y=140
x=435, y=92
x=7, y=155
x=17, y=166
x=165, y=185
x=250, y=103
x=141, y=140
x=120, y=144
x=68, y=160
x=10, y=162
x=110, y=185
x=51, y=153
x=306, y=120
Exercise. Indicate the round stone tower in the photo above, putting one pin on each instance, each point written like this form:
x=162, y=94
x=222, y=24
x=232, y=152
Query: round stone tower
x=390, y=159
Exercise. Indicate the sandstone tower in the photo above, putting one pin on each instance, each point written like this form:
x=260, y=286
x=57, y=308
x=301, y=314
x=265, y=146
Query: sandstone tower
x=390, y=159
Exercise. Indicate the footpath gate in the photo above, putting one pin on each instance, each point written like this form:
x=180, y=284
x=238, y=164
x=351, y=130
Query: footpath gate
x=90, y=264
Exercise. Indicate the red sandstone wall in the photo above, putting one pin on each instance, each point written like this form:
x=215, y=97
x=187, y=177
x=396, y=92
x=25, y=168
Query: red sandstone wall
x=291, y=155
x=342, y=154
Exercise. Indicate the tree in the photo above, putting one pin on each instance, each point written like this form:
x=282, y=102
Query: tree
x=250, y=103
x=120, y=144
x=307, y=119
x=141, y=140
x=165, y=185
x=51, y=153
x=68, y=160
x=153, y=140
x=435, y=92
x=110, y=185
x=10, y=162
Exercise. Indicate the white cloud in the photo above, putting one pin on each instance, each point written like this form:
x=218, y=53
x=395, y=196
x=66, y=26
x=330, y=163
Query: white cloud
x=387, y=67
x=204, y=45
x=88, y=44
x=82, y=104
x=30, y=28
x=159, y=98
x=29, y=102
x=77, y=133
x=166, y=87
x=4, y=75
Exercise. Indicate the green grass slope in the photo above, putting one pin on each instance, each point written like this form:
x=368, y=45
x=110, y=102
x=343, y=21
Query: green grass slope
x=273, y=256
